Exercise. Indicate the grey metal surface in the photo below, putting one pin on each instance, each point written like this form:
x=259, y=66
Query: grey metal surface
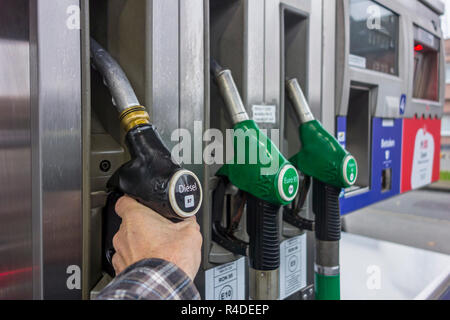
x=327, y=253
x=389, y=87
x=264, y=285
x=329, y=59
x=380, y=270
x=86, y=145
x=16, y=264
x=420, y=15
x=56, y=152
x=162, y=63
x=436, y=5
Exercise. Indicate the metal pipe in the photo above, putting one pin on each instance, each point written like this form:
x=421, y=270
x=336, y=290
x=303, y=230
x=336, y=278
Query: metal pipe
x=299, y=102
x=115, y=79
x=230, y=93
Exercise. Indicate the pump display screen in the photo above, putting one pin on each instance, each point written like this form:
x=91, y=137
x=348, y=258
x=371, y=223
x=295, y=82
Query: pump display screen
x=426, y=65
x=374, y=37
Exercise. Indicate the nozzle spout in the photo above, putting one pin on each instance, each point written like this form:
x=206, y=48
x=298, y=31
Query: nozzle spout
x=299, y=102
x=230, y=93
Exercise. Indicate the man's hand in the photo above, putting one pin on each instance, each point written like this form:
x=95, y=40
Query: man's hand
x=145, y=234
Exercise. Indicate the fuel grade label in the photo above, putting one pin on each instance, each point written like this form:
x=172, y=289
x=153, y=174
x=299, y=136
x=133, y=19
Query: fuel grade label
x=292, y=266
x=226, y=282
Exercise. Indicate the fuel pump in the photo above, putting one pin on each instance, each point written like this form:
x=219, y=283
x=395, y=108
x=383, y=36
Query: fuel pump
x=267, y=185
x=332, y=168
x=151, y=176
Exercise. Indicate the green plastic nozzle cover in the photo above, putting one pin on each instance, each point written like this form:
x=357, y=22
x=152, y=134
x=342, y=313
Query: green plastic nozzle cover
x=269, y=176
x=322, y=156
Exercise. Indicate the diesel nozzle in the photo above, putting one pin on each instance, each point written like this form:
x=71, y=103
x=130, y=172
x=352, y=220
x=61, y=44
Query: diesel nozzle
x=265, y=192
x=332, y=168
x=151, y=176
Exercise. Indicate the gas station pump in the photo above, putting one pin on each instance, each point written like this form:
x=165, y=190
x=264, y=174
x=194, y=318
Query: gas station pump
x=383, y=52
x=268, y=183
x=332, y=168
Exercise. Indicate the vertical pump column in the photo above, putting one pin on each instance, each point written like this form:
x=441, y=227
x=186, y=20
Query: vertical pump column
x=265, y=193
x=332, y=168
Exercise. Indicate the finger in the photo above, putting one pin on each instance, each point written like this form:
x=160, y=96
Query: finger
x=126, y=206
x=118, y=263
x=117, y=244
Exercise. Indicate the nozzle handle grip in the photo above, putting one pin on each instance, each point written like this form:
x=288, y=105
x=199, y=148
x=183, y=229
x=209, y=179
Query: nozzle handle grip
x=152, y=178
x=327, y=211
x=263, y=229
x=111, y=223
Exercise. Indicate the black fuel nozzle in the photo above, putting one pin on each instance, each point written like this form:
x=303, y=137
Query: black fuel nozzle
x=151, y=177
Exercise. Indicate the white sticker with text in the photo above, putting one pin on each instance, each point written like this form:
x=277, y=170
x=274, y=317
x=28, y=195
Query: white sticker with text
x=226, y=282
x=292, y=266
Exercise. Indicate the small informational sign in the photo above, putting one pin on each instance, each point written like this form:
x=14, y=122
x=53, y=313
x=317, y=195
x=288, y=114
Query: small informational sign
x=226, y=282
x=357, y=61
x=292, y=266
x=264, y=114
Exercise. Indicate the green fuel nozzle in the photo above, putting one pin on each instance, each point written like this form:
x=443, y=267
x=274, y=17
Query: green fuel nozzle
x=268, y=181
x=332, y=168
x=258, y=167
x=321, y=156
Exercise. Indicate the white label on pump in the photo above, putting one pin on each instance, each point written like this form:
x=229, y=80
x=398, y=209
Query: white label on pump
x=226, y=282
x=422, y=170
x=357, y=61
x=265, y=114
x=292, y=266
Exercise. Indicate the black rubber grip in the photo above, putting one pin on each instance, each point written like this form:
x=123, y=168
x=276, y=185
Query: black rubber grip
x=263, y=229
x=111, y=224
x=327, y=211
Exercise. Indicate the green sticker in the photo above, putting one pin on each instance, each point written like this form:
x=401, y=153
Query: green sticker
x=350, y=170
x=289, y=183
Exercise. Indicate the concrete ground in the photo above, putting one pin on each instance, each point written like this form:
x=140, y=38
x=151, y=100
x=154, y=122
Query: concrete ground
x=418, y=219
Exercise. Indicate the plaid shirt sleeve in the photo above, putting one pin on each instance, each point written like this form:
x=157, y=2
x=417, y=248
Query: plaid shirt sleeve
x=151, y=279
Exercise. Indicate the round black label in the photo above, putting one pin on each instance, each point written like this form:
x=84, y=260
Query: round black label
x=188, y=193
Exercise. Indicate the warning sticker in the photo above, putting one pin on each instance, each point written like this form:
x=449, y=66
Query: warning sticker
x=292, y=266
x=226, y=282
x=265, y=114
